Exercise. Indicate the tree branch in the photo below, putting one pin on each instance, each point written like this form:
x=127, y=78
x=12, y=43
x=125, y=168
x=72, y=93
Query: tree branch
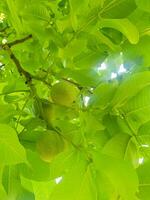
x=41, y=79
x=72, y=82
x=19, y=67
x=19, y=41
x=76, y=84
x=4, y=29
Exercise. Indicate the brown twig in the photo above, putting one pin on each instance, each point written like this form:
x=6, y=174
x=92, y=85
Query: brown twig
x=41, y=79
x=19, y=67
x=72, y=82
x=4, y=29
x=19, y=41
x=27, y=75
x=76, y=84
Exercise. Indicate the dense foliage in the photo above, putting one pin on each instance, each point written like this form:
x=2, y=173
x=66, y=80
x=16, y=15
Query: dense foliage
x=74, y=100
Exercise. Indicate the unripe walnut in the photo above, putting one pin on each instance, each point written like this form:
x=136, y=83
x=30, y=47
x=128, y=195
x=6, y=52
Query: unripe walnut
x=64, y=93
x=49, y=145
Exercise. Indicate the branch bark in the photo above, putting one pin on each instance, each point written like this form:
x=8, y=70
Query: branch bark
x=15, y=60
x=19, y=41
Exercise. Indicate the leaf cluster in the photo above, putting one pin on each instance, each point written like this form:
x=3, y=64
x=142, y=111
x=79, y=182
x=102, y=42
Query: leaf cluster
x=79, y=70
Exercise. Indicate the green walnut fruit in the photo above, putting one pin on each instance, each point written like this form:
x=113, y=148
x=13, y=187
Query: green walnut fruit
x=48, y=111
x=64, y=93
x=45, y=110
x=49, y=145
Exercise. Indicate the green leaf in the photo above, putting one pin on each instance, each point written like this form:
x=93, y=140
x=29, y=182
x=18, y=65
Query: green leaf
x=28, y=139
x=31, y=171
x=137, y=55
x=120, y=173
x=130, y=87
x=24, y=195
x=36, y=12
x=33, y=123
x=105, y=188
x=62, y=163
x=3, y=194
x=26, y=183
x=144, y=129
x=89, y=59
x=15, y=84
x=118, y=8
x=122, y=146
x=74, y=48
x=7, y=112
x=14, y=184
x=145, y=145
x=81, y=188
x=12, y=152
x=105, y=40
x=13, y=16
x=111, y=125
x=74, y=6
x=102, y=95
x=84, y=42
x=89, y=120
x=143, y=4
x=124, y=26
x=43, y=190
x=85, y=77
x=144, y=180
x=137, y=109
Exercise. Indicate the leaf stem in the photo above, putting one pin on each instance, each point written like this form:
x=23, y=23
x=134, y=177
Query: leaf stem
x=42, y=80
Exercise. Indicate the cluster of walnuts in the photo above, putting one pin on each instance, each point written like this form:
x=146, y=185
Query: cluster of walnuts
x=50, y=143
